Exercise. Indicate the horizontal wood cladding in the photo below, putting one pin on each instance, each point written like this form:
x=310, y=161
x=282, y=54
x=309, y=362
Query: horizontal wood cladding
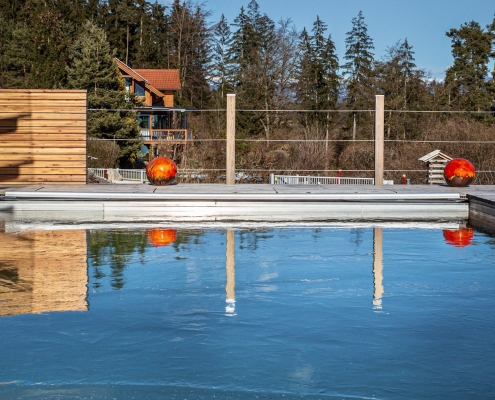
x=16, y=179
x=42, y=164
x=43, y=136
x=48, y=137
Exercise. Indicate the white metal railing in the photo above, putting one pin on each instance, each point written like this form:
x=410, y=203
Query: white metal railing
x=318, y=180
x=117, y=174
x=133, y=175
x=139, y=175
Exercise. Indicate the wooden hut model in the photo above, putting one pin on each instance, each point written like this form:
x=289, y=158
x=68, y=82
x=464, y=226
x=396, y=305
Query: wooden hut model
x=436, y=161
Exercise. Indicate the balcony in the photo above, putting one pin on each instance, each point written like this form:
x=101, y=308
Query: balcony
x=172, y=136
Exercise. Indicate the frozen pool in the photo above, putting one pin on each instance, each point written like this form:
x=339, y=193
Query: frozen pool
x=391, y=312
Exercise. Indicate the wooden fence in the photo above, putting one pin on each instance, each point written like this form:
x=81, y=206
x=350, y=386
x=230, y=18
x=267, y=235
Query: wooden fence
x=42, y=136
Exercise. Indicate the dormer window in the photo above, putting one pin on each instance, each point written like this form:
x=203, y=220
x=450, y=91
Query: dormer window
x=138, y=89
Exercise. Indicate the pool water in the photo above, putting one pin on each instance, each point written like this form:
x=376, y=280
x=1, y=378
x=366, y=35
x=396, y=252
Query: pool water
x=267, y=312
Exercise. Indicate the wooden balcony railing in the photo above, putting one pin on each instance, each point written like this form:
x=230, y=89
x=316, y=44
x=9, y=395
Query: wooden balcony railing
x=183, y=135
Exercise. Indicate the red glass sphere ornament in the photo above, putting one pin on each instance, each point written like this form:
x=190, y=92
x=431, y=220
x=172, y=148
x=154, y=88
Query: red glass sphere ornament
x=161, y=171
x=459, y=172
x=161, y=237
x=459, y=237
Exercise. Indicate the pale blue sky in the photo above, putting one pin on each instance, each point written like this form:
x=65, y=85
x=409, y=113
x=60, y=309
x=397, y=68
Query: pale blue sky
x=423, y=22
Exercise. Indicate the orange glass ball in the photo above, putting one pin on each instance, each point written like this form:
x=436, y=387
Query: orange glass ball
x=459, y=237
x=161, y=237
x=161, y=171
x=459, y=172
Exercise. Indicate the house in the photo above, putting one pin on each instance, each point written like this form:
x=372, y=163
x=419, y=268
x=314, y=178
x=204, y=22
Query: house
x=436, y=162
x=158, y=118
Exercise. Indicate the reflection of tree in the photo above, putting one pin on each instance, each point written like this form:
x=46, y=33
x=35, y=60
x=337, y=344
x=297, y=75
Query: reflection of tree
x=358, y=236
x=113, y=248
x=249, y=238
x=184, y=238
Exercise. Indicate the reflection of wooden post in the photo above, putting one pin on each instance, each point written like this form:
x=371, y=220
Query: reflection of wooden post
x=379, y=138
x=378, y=266
x=230, y=173
x=230, y=266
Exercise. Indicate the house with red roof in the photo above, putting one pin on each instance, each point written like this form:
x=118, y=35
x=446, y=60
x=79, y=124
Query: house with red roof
x=159, y=119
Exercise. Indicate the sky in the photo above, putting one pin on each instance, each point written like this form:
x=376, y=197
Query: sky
x=422, y=22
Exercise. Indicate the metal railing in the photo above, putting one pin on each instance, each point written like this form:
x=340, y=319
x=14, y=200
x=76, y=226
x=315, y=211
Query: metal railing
x=166, y=134
x=117, y=174
x=318, y=180
x=139, y=175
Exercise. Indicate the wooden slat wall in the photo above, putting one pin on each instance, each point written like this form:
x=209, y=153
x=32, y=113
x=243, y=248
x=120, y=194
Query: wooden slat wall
x=43, y=136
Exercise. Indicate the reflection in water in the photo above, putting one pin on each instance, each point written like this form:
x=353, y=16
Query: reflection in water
x=161, y=237
x=113, y=248
x=230, y=267
x=378, y=267
x=43, y=271
x=461, y=237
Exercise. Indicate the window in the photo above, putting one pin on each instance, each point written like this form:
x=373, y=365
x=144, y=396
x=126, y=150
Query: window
x=138, y=89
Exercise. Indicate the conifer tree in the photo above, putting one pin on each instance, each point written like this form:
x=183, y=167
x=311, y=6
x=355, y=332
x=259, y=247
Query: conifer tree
x=468, y=78
x=189, y=47
x=150, y=49
x=222, y=63
x=255, y=50
x=317, y=80
x=358, y=68
x=93, y=68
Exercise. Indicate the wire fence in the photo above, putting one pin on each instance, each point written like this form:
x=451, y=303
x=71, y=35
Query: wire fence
x=204, y=154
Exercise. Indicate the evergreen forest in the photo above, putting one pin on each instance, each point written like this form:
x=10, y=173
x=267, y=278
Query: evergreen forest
x=301, y=109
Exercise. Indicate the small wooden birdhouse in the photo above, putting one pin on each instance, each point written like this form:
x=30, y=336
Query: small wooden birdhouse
x=436, y=161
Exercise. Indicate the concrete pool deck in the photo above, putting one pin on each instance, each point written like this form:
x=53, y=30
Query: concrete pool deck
x=245, y=202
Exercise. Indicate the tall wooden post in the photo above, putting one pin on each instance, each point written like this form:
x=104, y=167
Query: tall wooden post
x=230, y=167
x=379, y=138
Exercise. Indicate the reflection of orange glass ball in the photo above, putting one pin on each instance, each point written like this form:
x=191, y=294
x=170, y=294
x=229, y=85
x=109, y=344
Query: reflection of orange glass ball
x=458, y=237
x=161, y=237
x=161, y=171
x=459, y=172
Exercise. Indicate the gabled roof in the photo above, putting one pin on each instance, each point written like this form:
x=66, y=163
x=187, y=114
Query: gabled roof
x=162, y=79
x=129, y=71
x=155, y=80
x=436, y=154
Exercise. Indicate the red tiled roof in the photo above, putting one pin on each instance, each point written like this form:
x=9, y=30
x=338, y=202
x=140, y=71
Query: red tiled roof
x=162, y=79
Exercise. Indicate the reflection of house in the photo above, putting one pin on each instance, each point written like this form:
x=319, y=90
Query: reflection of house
x=43, y=271
x=436, y=161
x=158, y=118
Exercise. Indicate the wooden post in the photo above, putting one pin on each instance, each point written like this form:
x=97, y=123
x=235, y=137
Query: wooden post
x=230, y=167
x=379, y=138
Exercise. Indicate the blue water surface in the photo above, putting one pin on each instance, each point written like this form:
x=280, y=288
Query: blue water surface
x=327, y=312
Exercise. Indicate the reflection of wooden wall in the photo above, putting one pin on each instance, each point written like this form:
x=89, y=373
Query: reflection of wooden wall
x=42, y=136
x=43, y=271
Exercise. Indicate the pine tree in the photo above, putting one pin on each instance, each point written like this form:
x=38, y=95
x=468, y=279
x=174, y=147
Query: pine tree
x=222, y=63
x=359, y=67
x=93, y=68
x=468, y=78
x=151, y=48
x=255, y=49
x=189, y=47
x=318, y=80
x=404, y=88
